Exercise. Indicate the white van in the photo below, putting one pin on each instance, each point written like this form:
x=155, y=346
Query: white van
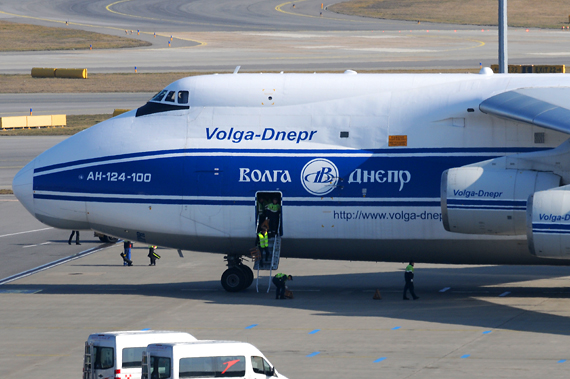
x=206, y=359
x=118, y=355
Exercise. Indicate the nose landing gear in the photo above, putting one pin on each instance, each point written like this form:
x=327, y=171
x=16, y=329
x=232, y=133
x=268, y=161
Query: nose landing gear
x=238, y=276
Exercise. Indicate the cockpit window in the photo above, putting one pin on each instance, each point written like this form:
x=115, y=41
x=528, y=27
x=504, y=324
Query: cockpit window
x=183, y=97
x=170, y=97
x=159, y=96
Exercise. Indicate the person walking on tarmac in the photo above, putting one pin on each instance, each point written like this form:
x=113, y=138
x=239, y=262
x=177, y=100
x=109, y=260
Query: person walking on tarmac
x=279, y=280
x=152, y=255
x=126, y=255
x=409, y=277
x=76, y=237
x=263, y=244
x=272, y=211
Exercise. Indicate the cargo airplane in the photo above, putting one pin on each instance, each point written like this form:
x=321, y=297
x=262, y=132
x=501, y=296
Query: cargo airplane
x=443, y=168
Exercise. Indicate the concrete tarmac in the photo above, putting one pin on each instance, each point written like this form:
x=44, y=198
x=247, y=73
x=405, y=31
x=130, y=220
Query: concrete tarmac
x=268, y=35
x=470, y=321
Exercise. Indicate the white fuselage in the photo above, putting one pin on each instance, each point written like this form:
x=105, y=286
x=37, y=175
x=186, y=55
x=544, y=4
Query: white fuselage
x=356, y=158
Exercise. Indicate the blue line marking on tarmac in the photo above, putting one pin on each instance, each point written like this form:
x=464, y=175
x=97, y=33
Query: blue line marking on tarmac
x=504, y=294
x=314, y=331
x=57, y=263
x=145, y=329
x=251, y=326
x=396, y=327
x=313, y=354
x=21, y=291
x=487, y=331
x=561, y=361
x=379, y=359
x=466, y=356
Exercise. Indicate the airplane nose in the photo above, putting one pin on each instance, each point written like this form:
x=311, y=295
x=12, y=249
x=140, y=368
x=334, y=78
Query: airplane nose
x=22, y=185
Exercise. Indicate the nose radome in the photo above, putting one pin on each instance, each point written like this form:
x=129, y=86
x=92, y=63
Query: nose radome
x=22, y=185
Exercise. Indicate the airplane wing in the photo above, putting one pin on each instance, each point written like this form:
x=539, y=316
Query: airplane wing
x=545, y=107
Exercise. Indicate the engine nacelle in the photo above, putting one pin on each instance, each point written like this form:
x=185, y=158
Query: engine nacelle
x=475, y=200
x=548, y=223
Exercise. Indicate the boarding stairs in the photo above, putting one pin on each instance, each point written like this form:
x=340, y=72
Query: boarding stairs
x=272, y=263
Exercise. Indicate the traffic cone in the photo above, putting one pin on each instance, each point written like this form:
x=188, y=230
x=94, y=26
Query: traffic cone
x=377, y=295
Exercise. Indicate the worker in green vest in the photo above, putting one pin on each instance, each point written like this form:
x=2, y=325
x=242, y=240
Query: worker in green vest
x=263, y=243
x=152, y=255
x=272, y=212
x=409, y=278
x=279, y=280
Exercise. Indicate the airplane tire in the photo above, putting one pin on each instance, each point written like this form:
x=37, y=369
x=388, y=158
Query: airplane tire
x=233, y=280
x=248, y=275
x=108, y=239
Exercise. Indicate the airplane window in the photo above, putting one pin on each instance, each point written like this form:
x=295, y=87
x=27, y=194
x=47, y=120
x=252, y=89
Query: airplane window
x=170, y=97
x=183, y=97
x=159, y=95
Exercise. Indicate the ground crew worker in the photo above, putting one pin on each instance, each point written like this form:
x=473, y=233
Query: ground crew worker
x=127, y=253
x=409, y=278
x=263, y=244
x=152, y=255
x=279, y=280
x=272, y=212
x=76, y=237
x=261, y=202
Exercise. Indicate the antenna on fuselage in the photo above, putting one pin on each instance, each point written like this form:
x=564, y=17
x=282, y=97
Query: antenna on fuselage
x=237, y=69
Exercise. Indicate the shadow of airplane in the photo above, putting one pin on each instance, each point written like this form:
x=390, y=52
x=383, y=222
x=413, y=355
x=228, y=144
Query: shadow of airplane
x=473, y=299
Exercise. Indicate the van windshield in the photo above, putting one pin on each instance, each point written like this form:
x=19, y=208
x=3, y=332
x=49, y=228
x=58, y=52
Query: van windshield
x=132, y=357
x=104, y=357
x=212, y=367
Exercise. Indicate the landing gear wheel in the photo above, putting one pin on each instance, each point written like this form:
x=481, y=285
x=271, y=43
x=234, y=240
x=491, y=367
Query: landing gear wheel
x=108, y=239
x=248, y=275
x=233, y=280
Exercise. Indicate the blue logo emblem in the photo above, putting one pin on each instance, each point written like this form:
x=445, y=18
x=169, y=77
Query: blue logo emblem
x=319, y=176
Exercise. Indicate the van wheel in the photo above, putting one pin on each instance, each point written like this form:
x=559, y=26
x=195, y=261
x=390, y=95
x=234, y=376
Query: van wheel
x=233, y=279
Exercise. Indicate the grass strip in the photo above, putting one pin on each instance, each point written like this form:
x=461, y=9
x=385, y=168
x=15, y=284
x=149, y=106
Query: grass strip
x=151, y=82
x=27, y=37
x=522, y=13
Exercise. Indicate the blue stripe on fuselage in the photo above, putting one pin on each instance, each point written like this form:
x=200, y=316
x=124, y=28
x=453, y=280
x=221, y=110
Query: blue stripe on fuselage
x=492, y=151
x=204, y=201
x=393, y=176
